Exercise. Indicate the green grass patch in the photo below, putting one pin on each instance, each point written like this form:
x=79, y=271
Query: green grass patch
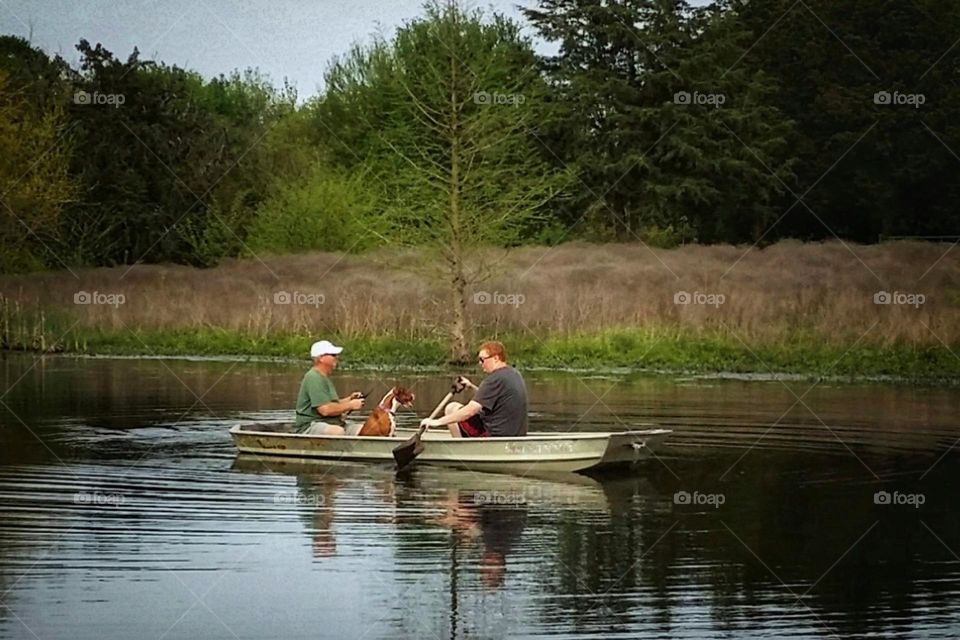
x=665, y=350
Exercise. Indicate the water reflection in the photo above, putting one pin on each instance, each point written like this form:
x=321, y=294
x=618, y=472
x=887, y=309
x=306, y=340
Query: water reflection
x=490, y=517
x=800, y=545
x=495, y=528
x=321, y=494
x=618, y=554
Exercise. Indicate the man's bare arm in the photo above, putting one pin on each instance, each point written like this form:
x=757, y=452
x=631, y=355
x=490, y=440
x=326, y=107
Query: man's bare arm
x=340, y=407
x=465, y=412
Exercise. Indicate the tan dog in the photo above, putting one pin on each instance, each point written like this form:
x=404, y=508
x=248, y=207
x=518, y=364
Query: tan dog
x=382, y=421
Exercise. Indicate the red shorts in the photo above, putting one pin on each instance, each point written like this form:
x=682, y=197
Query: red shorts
x=473, y=428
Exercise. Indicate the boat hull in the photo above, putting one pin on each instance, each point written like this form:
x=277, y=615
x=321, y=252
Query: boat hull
x=536, y=452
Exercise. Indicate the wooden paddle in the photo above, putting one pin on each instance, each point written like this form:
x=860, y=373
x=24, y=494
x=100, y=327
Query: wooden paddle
x=405, y=453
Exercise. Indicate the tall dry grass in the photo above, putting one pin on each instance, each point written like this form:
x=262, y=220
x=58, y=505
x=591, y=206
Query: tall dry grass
x=824, y=288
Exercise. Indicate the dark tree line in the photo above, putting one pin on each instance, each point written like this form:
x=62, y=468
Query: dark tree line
x=735, y=122
x=821, y=95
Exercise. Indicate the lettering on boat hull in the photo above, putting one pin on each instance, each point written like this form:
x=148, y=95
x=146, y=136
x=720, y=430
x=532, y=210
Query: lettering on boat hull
x=538, y=448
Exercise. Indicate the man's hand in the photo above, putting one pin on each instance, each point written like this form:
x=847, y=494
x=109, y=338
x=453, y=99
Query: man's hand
x=355, y=404
x=355, y=395
x=465, y=381
x=431, y=422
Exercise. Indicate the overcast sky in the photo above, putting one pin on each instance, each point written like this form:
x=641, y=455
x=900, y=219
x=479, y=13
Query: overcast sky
x=284, y=38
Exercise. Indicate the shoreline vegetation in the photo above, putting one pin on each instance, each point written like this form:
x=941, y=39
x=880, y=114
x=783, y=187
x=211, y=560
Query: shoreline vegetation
x=830, y=309
x=420, y=201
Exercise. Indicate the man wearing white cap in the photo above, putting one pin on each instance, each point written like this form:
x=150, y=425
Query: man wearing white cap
x=319, y=410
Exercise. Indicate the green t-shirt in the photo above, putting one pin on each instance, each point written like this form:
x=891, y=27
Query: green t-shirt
x=315, y=390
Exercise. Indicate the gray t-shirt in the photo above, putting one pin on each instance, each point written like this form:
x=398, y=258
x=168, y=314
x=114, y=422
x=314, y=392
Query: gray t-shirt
x=503, y=396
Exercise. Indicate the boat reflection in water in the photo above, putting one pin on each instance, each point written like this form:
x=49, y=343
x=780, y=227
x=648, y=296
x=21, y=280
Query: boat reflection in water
x=493, y=522
x=317, y=489
x=321, y=494
x=490, y=555
x=469, y=552
x=479, y=518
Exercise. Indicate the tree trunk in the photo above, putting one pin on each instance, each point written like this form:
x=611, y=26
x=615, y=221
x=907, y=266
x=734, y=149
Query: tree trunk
x=458, y=343
x=458, y=338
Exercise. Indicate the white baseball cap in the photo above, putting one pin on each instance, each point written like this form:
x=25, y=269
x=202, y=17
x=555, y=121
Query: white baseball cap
x=324, y=347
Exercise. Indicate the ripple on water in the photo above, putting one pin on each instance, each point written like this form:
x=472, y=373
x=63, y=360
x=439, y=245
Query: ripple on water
x=134, y=517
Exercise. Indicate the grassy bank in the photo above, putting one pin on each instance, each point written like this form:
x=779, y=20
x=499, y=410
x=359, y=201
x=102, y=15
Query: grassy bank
x=792, y=307
x=658, y=351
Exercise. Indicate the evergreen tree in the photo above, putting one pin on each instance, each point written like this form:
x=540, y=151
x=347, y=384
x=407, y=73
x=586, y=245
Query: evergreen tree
x=661, y=133
x=873, y=166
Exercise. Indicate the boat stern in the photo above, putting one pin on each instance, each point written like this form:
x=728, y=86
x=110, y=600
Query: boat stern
x=629, y=447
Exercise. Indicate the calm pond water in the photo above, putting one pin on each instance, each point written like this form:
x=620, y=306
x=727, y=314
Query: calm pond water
x=778, y=510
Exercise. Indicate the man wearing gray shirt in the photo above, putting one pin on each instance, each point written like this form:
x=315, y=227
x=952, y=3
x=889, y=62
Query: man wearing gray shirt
x=499, y=406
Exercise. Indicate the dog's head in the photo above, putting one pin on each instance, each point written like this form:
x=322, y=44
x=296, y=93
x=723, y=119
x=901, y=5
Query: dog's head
x=404, y=396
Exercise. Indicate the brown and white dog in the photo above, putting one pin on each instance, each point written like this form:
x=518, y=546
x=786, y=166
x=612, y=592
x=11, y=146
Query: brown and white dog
x=382, y=421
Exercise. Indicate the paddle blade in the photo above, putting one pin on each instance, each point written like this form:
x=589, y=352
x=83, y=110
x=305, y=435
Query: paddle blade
x=405, y=453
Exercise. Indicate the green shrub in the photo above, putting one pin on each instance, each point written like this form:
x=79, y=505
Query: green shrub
x=328, y=211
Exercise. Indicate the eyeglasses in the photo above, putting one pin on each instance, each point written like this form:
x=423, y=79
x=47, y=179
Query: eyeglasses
x=480, y=359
